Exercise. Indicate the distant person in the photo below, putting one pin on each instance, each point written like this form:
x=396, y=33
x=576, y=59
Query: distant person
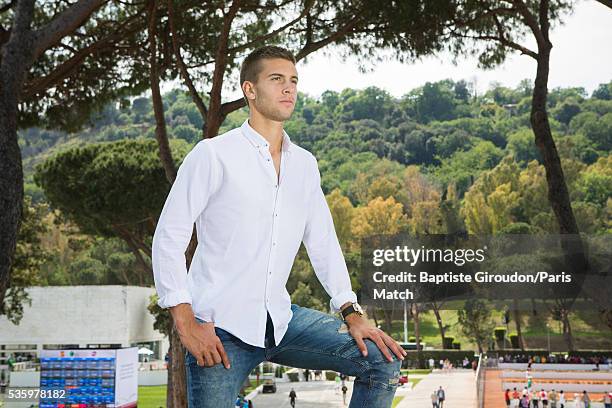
x=561, y=399
x=586, y=399
x=544, y=398
x=535, y=399
x=434, y=399
x=441, y=397
x=524, y=402
x=552, y=397
x=516, y=397
x=432, y=363
x=607, y=400
x=292, y=397
x=578, y=401
x=507, y=397
x=307, y=375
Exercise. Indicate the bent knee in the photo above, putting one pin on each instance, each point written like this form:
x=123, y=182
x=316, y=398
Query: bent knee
x=383, y=374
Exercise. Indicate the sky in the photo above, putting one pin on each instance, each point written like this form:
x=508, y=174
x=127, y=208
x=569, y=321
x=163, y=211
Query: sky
x=581, y=57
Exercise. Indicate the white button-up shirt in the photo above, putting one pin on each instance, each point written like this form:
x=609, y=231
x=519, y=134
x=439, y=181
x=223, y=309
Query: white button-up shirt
x=249, y=226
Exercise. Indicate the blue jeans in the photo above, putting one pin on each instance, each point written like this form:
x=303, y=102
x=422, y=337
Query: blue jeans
x=314, y=340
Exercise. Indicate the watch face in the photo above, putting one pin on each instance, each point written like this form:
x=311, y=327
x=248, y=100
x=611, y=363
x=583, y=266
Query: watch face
x=358, y=308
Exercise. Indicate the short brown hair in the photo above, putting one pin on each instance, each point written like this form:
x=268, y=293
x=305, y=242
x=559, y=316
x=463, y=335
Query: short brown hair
x=251, y=67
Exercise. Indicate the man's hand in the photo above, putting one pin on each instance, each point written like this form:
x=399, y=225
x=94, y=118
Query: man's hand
x=199, y=339
x=361, y=329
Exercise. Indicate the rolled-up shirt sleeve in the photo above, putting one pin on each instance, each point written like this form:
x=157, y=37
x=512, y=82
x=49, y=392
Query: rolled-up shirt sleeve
x=323, y=248
x=197, y=179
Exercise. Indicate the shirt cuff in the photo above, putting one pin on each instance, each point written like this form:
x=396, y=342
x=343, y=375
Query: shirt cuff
x=337, y=301
x=174, y=298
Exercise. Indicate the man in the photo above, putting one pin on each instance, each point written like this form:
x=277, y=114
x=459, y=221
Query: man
x=255, y=197
x=441, y=397
x=292, y=397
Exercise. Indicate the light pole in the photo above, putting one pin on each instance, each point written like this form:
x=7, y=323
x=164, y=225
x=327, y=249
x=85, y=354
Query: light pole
x=405, y=323
x=548, y=336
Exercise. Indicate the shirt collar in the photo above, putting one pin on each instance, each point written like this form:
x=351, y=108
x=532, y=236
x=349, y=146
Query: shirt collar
x=259, y=142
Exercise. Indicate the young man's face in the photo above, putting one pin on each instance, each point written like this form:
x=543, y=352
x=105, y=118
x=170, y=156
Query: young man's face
x=274, y=93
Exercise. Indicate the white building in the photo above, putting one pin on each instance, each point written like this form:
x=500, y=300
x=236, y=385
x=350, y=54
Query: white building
x=83, y=317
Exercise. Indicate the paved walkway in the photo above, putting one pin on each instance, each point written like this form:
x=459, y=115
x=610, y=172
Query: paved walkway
x=459, y=385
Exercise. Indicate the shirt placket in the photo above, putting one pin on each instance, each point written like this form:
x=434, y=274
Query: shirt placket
x=275, y=193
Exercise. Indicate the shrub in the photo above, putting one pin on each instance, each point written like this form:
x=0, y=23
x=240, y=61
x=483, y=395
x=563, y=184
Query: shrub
x=500, y=333
x=447, y=343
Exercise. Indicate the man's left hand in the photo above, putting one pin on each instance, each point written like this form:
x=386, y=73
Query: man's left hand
x=361, y=329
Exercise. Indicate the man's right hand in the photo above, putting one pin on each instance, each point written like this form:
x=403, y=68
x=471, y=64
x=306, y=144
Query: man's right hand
x=199, y=339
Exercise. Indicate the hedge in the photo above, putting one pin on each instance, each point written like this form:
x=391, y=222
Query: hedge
x=330, y=375
x=500, y=333
x=455, y=356
x=514, y=340
x=447, y=343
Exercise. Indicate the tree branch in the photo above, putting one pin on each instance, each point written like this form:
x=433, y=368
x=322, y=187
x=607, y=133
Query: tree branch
x=220, y=65
x=229, y=107
x=531, y=22
x=65, y=23
x=161, y=134
x=195, y=96
x=543, y=16
x=7, y=6
x=607, y=3
x=314, y=46
x=503, y=41
x=274, y=33
x=70, y=65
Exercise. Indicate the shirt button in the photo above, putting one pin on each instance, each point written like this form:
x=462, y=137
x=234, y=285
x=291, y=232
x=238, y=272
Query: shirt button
x=276, y=215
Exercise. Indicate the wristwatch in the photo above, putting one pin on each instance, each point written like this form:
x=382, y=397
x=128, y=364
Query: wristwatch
x=352, y=308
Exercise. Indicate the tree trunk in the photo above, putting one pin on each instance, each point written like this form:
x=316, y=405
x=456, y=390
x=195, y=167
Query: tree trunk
x=558, y=195
x=517, y=322
x=567, y=329
x=177, y=380
x=16, y=57
x=417, y=333
x=436, y=311
x=161, y=133
x=387, y=319
x=176, y=396
x=213, y=122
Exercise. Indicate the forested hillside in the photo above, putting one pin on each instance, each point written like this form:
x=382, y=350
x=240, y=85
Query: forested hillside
x=439, y=159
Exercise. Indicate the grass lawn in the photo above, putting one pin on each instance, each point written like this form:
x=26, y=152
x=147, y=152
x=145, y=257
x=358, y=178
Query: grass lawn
x=155, y=396
x=416, y=371
x=152, y=396
x=414, y=381
x=588, y=328
x=396, y=401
